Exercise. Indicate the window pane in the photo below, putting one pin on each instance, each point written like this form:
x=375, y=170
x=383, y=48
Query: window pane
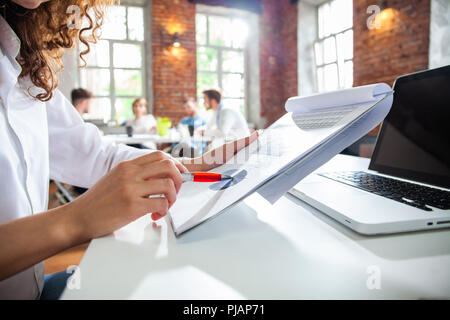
x=347, y=44
x=325, y=20
x=135, y=23
x=330, y=50
x=342, y=15
x=124, y=110
x=331, y=77
x=100, y=109
x=114, y=26
x=348, y=74
x=233, y=85
x=206, y=81
x=127, y=55
x=318, y=48
x=200, y=28
x=233, y=61
x=321, y=79
x=128, y=82
x=95, y=80
x=219, y=28
x=206, y=59
x=239, y=31
x=98, y=55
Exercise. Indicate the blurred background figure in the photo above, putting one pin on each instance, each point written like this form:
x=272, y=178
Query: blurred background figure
x=143, y=123
x=81, y=100
x=225, y=123
x=192, y=122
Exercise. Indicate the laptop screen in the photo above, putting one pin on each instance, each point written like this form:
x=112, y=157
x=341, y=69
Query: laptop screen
x=414, y=141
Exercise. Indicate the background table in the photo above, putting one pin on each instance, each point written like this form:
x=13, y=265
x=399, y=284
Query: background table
x=142, y=138
x=261, y=251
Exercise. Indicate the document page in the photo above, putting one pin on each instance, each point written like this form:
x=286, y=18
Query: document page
x=279, y=147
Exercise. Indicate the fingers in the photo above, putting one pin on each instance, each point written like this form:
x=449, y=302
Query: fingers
x=164, y=187
x=158, y=156
x=156, y=216
x=158, y=206
x=163, y=169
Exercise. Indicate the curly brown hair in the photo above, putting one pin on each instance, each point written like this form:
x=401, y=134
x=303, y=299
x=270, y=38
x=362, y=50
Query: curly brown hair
x=46, y=31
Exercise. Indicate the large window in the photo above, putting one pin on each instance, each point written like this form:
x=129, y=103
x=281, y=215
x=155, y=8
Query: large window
x=221, y=42
x=334, y=47
x=115, y=65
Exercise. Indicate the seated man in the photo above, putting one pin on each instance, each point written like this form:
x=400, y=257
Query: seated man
x=226, y=123
x=81, y=100
x=193, y=121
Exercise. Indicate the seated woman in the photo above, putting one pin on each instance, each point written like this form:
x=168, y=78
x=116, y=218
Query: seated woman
x=143, y=123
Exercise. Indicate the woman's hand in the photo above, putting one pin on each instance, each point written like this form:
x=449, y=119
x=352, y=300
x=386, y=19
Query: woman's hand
x=218, y=156
x=122, y=195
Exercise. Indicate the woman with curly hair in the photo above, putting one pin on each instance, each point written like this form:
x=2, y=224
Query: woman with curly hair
x=42, y=137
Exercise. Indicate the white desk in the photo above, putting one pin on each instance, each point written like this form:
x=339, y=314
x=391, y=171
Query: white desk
x=259, y=251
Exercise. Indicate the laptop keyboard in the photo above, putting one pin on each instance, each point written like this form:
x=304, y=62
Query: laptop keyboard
x=411, y=194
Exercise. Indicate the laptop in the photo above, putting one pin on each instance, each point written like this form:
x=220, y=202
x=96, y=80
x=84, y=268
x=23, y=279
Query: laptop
x=407, y=185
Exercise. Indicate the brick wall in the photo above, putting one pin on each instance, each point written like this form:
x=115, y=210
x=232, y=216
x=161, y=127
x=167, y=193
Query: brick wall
x=399, y=47
x=174, y=69
x=278, y=56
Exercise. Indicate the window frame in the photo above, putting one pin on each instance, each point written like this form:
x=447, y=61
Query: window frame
x=113, y=97
x=337, y=61
x=220, y=49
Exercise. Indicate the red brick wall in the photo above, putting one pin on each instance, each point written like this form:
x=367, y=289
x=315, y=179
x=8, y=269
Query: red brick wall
x=399, y=47
x=174, y=69
x=278, y=56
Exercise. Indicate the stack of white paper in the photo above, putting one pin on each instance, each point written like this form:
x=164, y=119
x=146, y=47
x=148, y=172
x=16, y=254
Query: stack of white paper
x=315, y=130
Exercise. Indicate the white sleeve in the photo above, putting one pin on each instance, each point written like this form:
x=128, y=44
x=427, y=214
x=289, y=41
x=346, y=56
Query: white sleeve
x=211, y=129
x=78, y=156
x=226, y=121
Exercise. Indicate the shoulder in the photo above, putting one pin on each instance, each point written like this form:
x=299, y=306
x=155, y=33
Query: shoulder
x=149, y=118
x=185, y=120
x=229, y=111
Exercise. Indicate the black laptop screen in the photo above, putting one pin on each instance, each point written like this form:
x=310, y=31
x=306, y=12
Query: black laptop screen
x=414, y=141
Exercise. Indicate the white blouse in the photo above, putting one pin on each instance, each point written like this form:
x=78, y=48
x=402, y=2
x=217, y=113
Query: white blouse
x=41, y=141
x=143, y=125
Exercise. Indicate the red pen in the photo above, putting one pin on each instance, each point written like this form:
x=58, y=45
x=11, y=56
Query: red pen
x=204, y=177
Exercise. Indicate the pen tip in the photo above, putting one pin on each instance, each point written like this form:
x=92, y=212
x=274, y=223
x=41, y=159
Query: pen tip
x=225, y=176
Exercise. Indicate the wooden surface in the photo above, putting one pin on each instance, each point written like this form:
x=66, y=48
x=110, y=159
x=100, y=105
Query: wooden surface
x=63, y=260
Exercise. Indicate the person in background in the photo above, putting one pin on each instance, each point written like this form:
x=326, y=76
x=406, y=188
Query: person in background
x=143, y=123
x=193, y=121
x=81, y=100
x=225, y=123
